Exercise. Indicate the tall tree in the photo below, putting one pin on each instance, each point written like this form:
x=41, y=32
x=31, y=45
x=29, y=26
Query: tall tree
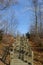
x=35, y=3
x=40, y=17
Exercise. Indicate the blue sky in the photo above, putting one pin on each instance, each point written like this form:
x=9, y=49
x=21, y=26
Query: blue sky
x=25, y=15
x=22, y=12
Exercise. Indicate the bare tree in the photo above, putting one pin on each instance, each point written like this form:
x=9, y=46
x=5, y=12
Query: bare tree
x=35, y=3
x=38, y=17
x=41, y=22
x=13, y=24
x=5, y=3
x=35, y=30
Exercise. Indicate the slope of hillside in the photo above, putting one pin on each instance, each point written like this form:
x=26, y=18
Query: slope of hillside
x=6, y=42
x=37, y=53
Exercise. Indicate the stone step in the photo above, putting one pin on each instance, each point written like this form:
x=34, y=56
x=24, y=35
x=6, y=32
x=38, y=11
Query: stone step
x=17, y=62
